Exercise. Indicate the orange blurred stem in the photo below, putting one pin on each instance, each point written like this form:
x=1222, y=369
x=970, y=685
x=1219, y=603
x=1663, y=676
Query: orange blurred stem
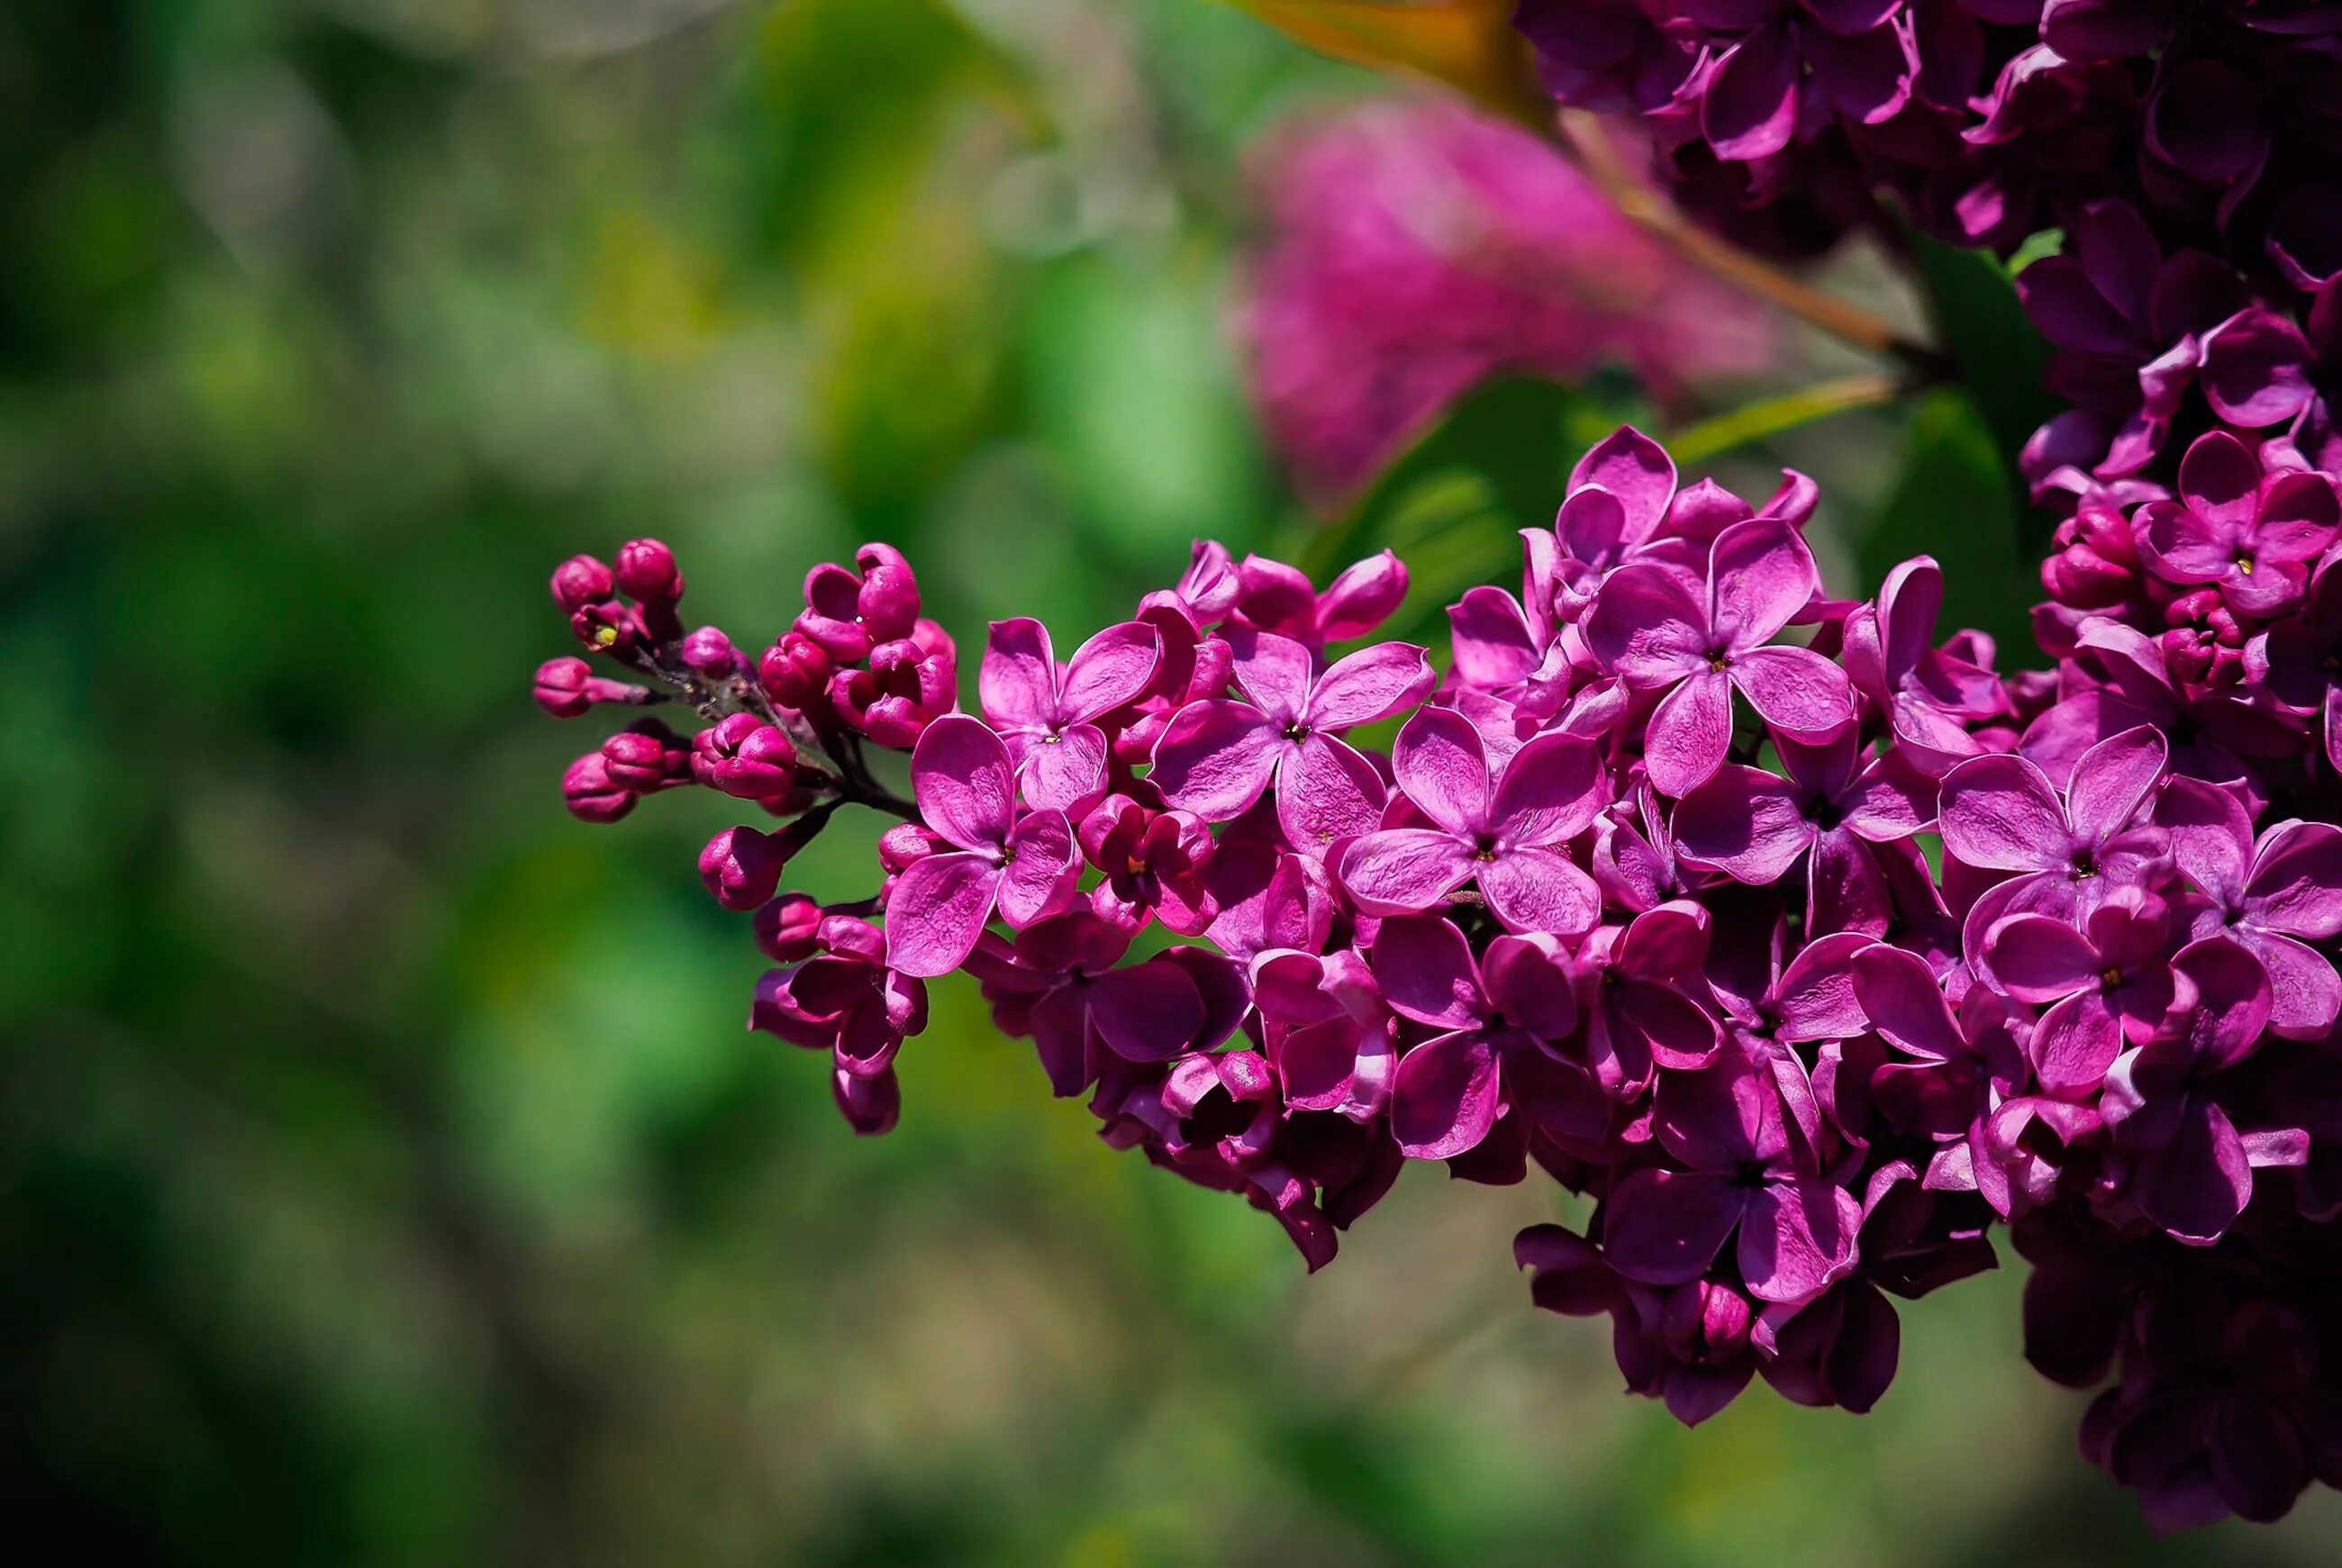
x=1755, y=422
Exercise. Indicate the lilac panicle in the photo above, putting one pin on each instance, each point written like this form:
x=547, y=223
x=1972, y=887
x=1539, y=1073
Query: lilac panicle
x=1805, y=961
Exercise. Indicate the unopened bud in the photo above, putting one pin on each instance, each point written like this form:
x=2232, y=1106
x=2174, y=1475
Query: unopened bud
x=788, y=928
x=590, y=793
x=710, y=655
x=647, y=757
x=795, y=672
x=742, y=867
x=580, y=581
x=647, y=572
x=746, y=758
x=889, y=596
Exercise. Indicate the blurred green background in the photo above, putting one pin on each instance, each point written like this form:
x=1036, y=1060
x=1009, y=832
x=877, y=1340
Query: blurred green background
x=385, y=1174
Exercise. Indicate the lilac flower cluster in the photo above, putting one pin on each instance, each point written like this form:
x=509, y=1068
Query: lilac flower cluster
x=1412, y=248
x=1806, y=962
x=2184, y=148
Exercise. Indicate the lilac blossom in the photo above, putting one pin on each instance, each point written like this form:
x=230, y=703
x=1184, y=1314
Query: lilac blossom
x=1046, y=714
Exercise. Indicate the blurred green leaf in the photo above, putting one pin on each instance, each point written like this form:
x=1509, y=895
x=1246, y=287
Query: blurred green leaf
x=1999, y=354
x=1953, y=502
x=1468, y=45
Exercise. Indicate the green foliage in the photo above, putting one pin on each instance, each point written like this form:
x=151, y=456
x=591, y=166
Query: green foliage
x=1951, y=500
x=1983, y=326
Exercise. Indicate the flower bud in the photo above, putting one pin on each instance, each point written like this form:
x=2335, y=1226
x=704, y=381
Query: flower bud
x=797, y=673
x=647, y=572
x=871, y=1105
x=893, y=702
x=788, y=928
x=889, y=596
x=587, y=791
x=561, y=687
x=710, y=655
x=906, y=843
x=742, y=867
x=746, y=758
x=608, y=627
x=581, y=580
x=647, y=757
x=833, y=613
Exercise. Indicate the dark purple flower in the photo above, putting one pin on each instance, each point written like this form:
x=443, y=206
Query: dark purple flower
x=2275, y=896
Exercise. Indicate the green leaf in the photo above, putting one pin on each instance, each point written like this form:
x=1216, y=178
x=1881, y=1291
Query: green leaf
x=1953, y=502
x=2000, y=356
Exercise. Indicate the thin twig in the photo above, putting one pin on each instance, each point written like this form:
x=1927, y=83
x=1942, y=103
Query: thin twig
x=1584, y=137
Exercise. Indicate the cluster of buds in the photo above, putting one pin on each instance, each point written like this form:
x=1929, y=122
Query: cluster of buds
x=1808, y=961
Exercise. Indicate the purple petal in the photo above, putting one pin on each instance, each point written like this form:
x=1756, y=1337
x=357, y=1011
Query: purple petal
x=2305, y=993
x=1637, y=474
x=1495, y=648
x=1846, y=891
x=2112, y=780
x=1110, y=671
x=1371, y=683
x=1530, y=888
x=1067, y=771
x=1428, y=973
x=1900, y=996
x=1017, y=681
x=937, y=909
x=1362, y=597
x=2002, y=814
x=2256, y=369
x=1745, y=821
x=1760, y=574
x=1442, y=768
x=1665, y=1228
x=1275, y=671
x=1147, y=1012
x=1795, y=690
x=1402, y=870
x=2035, y=959
x=1751, y=106
x=1689, y=734
x=1043, y=870
x=2211, y=837
x=1551, y=790
x=1214, y=758
x=1529, y=983
x=1797, y=1238
x=2196, y=1185
x=963, y=783
x=1444, y=1097
x=2075, y=1043
x=1645, y=627
x=1815, y=994
x=2297, y=880
x=1325, y=791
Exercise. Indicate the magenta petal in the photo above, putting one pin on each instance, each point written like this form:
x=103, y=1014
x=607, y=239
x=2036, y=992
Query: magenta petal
x=934, y=911
x=2256, y=369
x=2196, y=1185
x=1645, y=627
x=963, y=781
x=1528, y=981
x=1744, y=821
x=1760, y=574
x=2002, y=814
x=1146, y=1011
x=1751, y=108
x=1665, y=1228
x=2113, y=779
x=1371, y=683
x=1215, y=758
x=1444, y=1097
x=2297, y=879
x=1815, y=994
x=1405, y=869
x=1903, y=1001
x=1794, y=689
x=1043, y=870
x=1067, y=771
x=1426, y=972
x=1530, y=888
x=1017, y=681
x=1275, y=671
x=1489, y=630
x=1325, y=791
x=1639, y=480
x=1689, y=734
x=1317, y=1063
x=2037, y=959
x=2075, y=1044
x=1110, y=671
x=1550, y=791
x=1444, y=769
x=1797, y=1239
x=2305, y=993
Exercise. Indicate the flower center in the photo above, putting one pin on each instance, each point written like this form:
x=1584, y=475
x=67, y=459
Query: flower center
x=2244, y=566
x=1719, y=662
x=2084, y=863
x=2110, y=977
x=1297, y=731
x=1486, y=849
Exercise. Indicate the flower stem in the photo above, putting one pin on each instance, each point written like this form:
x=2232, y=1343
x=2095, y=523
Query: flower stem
x=1587, y=141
